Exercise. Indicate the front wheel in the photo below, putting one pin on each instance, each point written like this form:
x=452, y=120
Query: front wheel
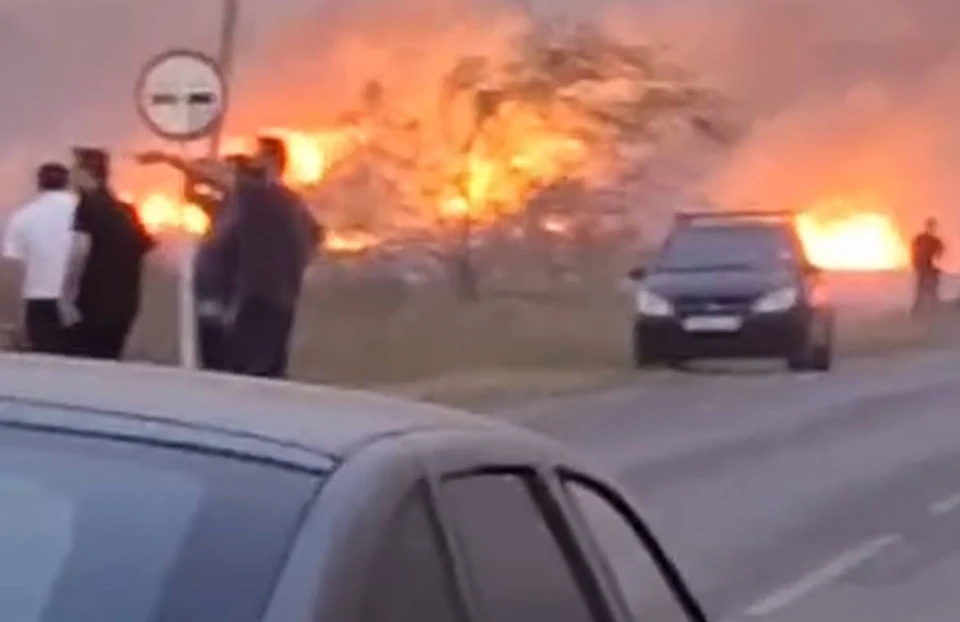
x=819, y=358
x=815, y=353
x=643, y=358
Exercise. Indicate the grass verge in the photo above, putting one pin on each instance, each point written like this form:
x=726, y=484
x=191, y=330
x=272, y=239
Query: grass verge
x=501, y=350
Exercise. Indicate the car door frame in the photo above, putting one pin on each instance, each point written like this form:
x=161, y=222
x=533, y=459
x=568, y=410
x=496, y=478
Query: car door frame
x=620, y=503
x=328, y=564
x=453, y=455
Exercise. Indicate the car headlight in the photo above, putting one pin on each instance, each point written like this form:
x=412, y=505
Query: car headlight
x=778, y=300
x=652, y=305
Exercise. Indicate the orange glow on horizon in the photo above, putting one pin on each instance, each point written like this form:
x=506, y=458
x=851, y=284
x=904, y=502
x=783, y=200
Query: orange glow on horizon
x=852, y=236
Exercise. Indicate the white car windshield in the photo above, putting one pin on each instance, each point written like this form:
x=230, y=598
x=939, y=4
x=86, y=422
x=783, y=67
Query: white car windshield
x=93, y=529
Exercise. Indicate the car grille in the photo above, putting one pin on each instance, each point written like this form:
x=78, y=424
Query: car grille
x=712, y=304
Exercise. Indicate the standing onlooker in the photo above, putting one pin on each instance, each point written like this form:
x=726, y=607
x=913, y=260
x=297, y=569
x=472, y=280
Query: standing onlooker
x=38, y=237
x=276, y=237
x=271, y=237
x=927, y=250
x=214, y=269
x=106, y=275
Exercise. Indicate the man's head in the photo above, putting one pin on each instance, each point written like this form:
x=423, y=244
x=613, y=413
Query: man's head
x=271, y=156
x=930, y=225
x=53, y=177
x=239, y=163
x=91, y=168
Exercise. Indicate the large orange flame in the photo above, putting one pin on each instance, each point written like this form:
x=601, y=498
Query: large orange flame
x=852, y=235
x=490, y=184
x=312, y=155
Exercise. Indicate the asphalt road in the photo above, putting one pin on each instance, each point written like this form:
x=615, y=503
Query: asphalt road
x=793, y=497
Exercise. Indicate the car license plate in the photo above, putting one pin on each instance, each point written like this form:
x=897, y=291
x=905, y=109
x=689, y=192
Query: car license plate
x=713, y=324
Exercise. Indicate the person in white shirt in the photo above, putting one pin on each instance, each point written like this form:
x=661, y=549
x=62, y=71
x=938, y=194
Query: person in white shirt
x=39, y=237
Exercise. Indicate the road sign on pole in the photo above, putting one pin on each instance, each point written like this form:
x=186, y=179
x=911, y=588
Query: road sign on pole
x=181, y=95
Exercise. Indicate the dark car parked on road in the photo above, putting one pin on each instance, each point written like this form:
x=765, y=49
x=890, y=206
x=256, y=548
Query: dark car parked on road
x=735, y=284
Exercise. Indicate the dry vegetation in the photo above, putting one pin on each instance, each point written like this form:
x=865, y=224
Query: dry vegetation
x=541, y=159
x=427, y=345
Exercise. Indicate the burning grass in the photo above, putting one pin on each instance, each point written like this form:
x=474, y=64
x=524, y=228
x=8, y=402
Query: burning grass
x=476, y=141
x=493, y=118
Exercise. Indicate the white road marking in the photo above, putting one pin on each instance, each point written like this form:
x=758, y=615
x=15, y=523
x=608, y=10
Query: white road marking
x=822, y=576
x=944, y=505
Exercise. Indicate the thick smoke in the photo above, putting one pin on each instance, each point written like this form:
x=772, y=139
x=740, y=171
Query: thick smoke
x=853, y=99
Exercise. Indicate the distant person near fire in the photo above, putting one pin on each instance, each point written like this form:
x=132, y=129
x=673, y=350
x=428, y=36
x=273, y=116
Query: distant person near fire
x=274, y=237
x=37, y=239
x=927, y=250
x=110, y=245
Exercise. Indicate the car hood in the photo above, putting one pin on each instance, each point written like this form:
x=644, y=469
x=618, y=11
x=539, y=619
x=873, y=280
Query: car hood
x=739, y=283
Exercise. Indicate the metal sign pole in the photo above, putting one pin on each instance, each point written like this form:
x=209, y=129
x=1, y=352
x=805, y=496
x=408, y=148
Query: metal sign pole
x=228, y=36
x=187, y=310
x=189, y=345
x=188, y=304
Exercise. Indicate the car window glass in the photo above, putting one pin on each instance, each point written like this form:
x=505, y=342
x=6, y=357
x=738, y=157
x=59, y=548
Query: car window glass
x=36, y=530
x=98, y=529
x=514, y=560
x=642, y=585
x=729, y=247
x=410, y=578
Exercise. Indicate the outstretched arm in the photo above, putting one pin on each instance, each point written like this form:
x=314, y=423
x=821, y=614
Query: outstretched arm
x=207, y=171
x=205, y=201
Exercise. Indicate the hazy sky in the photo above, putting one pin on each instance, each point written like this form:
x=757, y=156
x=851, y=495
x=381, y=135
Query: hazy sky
x=70, y=65
x=847, y=94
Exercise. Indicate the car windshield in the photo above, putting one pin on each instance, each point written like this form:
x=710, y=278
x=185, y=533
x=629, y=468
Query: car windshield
x=100, y=530
x=741, y=247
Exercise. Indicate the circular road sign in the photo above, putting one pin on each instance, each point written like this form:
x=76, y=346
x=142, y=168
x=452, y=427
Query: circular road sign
x=181, y=95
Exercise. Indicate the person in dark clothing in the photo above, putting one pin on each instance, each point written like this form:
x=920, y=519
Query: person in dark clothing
x=276, y=239
x=214, y=267
x=113, y=245
x=927, y=250
x=271, y=237
x=215, y=262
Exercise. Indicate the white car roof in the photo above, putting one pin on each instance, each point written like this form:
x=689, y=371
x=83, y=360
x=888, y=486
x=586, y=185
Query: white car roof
x=328, y=420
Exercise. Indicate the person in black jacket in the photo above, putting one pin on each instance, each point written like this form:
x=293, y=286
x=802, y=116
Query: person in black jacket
x=110, y=244
x=272, y=238
x=277, y=237
x=214, y=265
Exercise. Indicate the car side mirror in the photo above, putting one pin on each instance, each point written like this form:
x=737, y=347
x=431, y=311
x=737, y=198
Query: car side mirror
x=812, y=270
x=637, y=274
